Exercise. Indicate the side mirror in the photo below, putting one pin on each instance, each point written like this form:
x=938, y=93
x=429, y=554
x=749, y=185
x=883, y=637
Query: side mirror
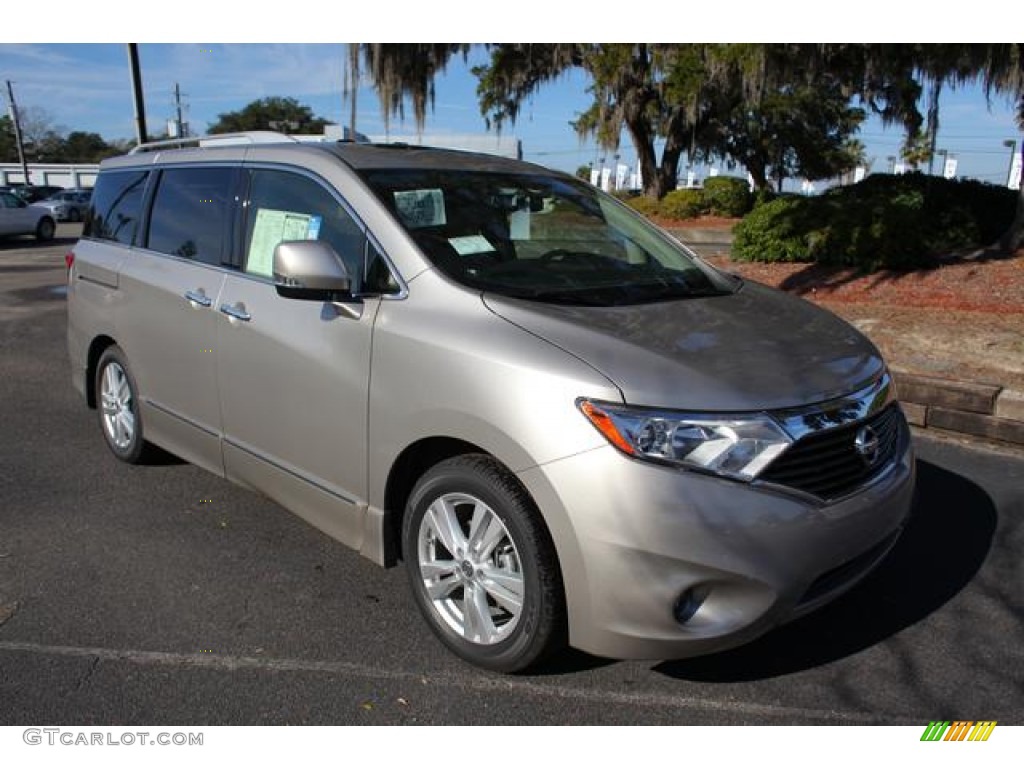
x=310, y=270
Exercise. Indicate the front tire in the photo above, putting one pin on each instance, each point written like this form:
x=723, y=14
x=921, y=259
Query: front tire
x=482, y=567
x=118, y=406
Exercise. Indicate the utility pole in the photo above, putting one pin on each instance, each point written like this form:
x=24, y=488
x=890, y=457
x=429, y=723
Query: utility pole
x=140, y=105
x=182, y=131
x=17, y=131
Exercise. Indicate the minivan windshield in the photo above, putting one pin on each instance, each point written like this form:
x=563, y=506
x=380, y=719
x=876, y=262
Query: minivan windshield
x=538, y=237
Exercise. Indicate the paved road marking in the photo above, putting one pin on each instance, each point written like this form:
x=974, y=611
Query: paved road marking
x=478, y=682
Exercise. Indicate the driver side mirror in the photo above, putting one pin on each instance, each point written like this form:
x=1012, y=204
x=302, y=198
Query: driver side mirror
x=310, y=270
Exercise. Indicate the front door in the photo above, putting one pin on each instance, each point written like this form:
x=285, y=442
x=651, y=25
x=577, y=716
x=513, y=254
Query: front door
x=294, y=374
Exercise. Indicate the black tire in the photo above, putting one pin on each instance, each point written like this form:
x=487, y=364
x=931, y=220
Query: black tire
x=74, y=215
x=522, y=551
x=130, y=448
x=45, y=229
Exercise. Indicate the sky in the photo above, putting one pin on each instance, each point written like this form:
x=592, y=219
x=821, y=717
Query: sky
x=85, y=86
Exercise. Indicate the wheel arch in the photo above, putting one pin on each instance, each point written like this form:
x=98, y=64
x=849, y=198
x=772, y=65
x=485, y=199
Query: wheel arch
x=96, y=349
x=408, y=467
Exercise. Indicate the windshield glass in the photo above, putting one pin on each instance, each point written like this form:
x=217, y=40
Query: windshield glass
x=538, y=237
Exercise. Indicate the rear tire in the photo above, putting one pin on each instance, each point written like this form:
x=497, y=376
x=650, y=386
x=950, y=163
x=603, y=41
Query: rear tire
x=117, y=400
x=482, y=567
x=45, y=229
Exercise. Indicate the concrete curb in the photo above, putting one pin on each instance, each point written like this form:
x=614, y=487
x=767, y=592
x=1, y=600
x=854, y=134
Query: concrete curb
x=970, y=408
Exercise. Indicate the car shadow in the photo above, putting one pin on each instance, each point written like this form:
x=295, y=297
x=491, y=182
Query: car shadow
x=155, y=456
x=942, y=548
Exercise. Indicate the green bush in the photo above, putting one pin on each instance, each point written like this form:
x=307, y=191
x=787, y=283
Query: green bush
x=648, y=206
x=885, y=221
x=683, y=204
x=727, y=196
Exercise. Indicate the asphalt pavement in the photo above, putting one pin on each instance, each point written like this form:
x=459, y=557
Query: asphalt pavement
x=162, y=594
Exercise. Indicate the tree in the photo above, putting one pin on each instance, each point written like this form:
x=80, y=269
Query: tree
x=903, y=71
x=407, y=71
x=8, y=144
x=645, y=89
x=82, y=147
x=274, y=113
x=685, y=98
x=1002, y=70
x=772, y=112
x=40, y=136
x=722, y=100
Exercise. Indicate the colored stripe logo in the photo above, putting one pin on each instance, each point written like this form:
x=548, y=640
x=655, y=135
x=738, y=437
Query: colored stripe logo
x=958, y=730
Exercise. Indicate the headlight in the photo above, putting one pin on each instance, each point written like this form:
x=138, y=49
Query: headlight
x=735, y=445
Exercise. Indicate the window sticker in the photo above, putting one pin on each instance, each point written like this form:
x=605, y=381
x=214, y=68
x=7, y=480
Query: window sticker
x=421, y=208
x=469, y=245
x=519, y=224
x=273, y=227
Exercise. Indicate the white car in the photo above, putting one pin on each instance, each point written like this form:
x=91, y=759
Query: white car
x=20, y=218
x=67, y=205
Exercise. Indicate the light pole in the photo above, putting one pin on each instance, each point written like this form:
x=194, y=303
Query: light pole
x=1012, y=144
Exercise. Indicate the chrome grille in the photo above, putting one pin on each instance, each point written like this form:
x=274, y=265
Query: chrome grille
x=828, y=463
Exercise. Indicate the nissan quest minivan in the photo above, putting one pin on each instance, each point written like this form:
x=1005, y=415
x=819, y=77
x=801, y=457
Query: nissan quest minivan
x=568, y=427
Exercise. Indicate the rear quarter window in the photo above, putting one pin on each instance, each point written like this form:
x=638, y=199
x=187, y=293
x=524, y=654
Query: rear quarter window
x=116, y=206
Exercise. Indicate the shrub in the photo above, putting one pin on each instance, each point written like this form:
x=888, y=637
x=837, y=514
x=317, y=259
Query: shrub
x=885, y=221
x=727, y=196
x=775, y=231
x=648, y=206
x=683, y=204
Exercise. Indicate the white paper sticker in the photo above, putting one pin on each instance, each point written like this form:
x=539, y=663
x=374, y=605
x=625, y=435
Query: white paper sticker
x=519, y=224
x=421, y=207
x=471, y=244
x=273, y=227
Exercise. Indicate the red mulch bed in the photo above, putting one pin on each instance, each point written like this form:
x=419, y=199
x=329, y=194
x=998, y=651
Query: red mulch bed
x=982, y=283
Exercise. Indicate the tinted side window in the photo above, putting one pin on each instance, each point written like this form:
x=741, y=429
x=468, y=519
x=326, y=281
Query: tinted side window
x=190, y=213
x=116, y=206
x=287, y=206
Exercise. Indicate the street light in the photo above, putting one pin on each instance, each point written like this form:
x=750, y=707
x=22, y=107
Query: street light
x=1012, y=144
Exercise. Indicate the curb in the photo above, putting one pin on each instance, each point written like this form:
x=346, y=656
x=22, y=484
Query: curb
x=969, y=408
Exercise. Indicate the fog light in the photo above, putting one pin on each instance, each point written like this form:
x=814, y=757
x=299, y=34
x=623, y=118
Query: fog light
x=688, y=603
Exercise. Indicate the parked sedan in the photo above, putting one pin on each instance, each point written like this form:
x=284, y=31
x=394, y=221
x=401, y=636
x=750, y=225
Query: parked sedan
x=34, y=193
x=69, y=205
x=20, y=218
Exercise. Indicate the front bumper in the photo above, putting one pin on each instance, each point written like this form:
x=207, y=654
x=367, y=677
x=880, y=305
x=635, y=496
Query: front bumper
x=633, y=538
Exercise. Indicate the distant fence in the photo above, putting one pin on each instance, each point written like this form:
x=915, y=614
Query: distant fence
x=66, y=175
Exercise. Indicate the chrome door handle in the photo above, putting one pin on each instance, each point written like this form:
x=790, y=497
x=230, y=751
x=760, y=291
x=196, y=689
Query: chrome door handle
x=198, y=298
x=235, y=313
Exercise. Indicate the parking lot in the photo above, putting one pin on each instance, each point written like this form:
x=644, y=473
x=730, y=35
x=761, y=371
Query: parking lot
x=164, y=594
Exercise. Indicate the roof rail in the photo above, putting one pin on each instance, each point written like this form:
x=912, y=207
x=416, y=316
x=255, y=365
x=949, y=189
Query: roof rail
x=215, y=140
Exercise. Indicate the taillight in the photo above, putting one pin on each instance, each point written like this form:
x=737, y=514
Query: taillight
x=69, y=260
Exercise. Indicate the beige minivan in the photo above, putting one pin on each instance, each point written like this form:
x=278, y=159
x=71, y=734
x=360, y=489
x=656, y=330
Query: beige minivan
x=570, y=428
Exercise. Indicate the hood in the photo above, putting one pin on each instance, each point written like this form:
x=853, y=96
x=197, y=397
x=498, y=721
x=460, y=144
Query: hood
x=754, y=349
